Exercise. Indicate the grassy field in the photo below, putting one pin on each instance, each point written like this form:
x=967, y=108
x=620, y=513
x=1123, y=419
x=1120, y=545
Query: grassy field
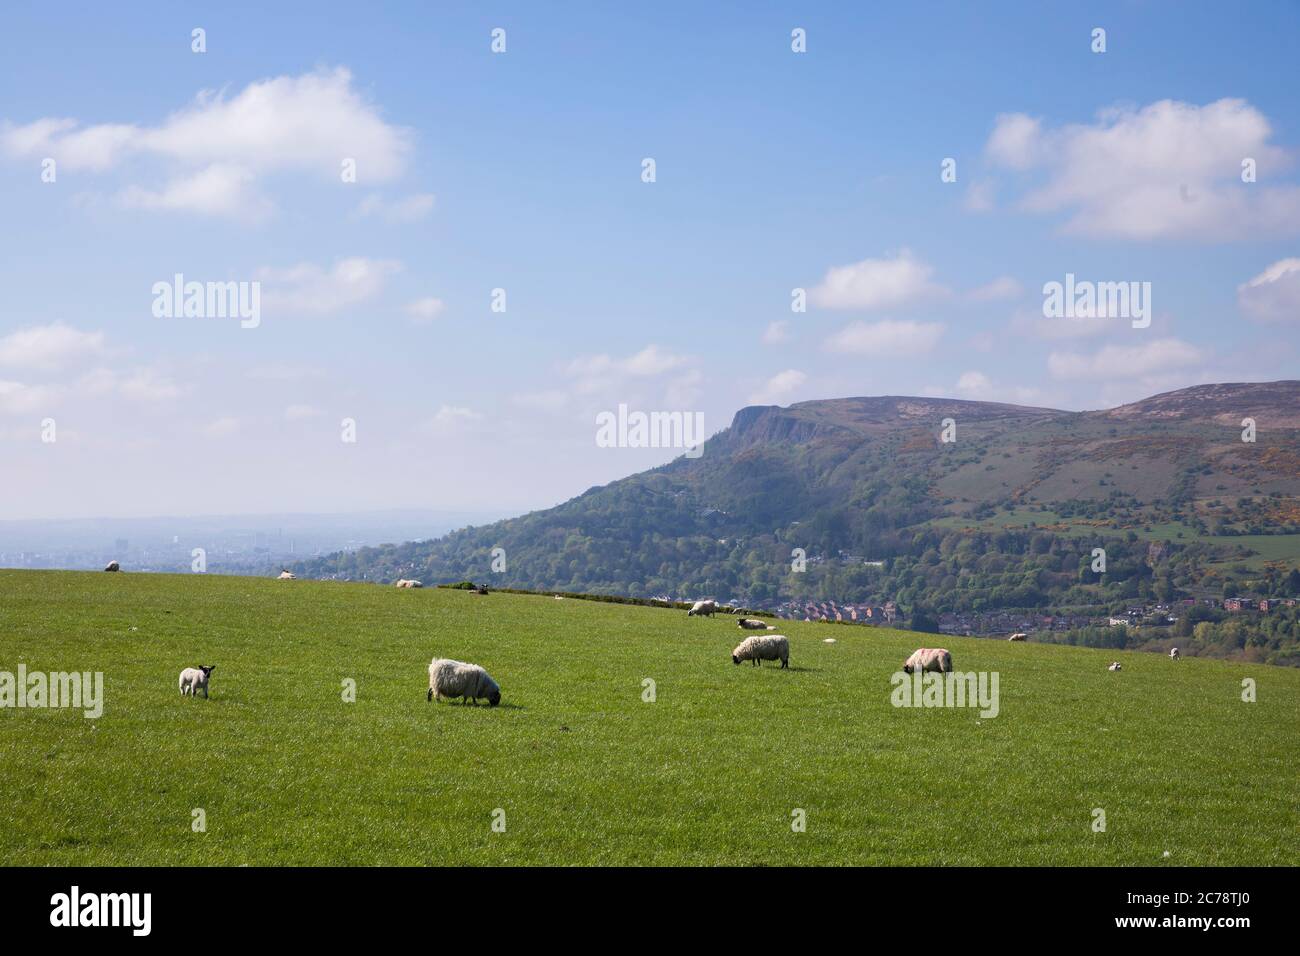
x=584, y=769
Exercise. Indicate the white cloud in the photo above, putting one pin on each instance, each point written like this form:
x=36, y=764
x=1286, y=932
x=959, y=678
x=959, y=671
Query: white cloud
x=310, y=289
x=221, y=427
x=1274, y=294
x=450, y=418
x=877, y=284
x=650, y=361
x=47, y=347
x=776, y=332
x=979, y=196
x=406, y=209
x=1125, y=361
x=1016, y=141
x=424, y=311
x=1169, y=170
x=977, y=386
x=1033, y=322
x=140, y=384
x=284, y=372
x=777, y=389
x=301, y=124
x=217, y=190
x=17, y=398
x=886, y=338
x=1003, y=287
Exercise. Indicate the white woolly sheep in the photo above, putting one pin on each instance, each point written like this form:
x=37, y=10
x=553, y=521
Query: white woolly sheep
x=762, y=647
x=408, y=583
x=452, y=679
x=750, y=624
x=929, y=659
x=288, y=576
x=113, y=566
x=1115, y=666
x=195, y=679
x=702, y=609
x=1173, y=653
x=1017, y=637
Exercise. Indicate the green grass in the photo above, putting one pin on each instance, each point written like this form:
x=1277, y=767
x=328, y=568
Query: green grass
x=587, y=772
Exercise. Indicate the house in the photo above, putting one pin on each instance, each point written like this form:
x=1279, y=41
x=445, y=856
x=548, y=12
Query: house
x=1232, y=604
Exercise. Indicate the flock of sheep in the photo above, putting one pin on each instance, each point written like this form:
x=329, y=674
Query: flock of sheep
x=449, y=679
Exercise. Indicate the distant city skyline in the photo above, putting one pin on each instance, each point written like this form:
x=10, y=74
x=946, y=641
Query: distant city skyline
x=388, y=178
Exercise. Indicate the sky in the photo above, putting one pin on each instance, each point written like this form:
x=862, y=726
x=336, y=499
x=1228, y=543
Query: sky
x=388, y=180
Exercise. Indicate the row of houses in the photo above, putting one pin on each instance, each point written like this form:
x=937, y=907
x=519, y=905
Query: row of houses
x=886, y=613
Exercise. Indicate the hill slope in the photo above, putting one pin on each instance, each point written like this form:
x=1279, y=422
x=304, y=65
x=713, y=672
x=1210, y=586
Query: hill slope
x=1004, y=516
x=584, y=767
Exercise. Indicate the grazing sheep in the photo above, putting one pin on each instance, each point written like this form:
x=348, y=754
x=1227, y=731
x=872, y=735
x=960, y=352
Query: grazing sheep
x=1017, y=637
x=194, y=679
x=750, y=624
x=702, y=609
x=1173, y=653
x=287, y=576
x=451, y=679
x=1115, y=666
x=405, y=583
x=929, y=659
x=113, y=566
x=766, y=647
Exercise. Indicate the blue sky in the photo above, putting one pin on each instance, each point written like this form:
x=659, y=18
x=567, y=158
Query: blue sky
x=522, y=171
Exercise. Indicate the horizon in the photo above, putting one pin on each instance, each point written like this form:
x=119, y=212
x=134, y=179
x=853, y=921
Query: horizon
x=439, y=261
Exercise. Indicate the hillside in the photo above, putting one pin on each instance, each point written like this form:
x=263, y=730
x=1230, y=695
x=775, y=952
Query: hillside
x=1005, y=516
x=586, y=767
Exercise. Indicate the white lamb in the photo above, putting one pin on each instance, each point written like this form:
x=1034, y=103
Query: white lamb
x=1115, y=666
x=452, y=679
x=1173, y=653
x=288, y=576
x=194, y=679
x=762, y=647
x=409, y=583
x=752, y=624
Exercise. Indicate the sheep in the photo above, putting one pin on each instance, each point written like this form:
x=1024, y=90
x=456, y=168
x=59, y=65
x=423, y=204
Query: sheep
x=750, y=624
x=113, y=566
x=481, y=589
x=451, y=679
x=194, y=679
x=929, y=659
x=1115, y=666
x=702, y=609
x=1173, y=653
x=405, y=583
x=287, y=576
x=765, y=647
x=1017, y=637
x=829, y=640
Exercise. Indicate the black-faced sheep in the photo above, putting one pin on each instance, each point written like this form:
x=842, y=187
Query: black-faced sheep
x=702, y=609
x=929, y=659
x=452, y=679
x=752, y=624
x=764, y=647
